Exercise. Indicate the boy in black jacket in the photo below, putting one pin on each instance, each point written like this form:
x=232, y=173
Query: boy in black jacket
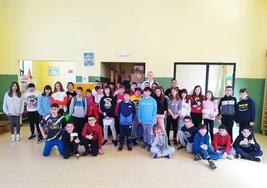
x=71, y=141
x=246, y=110
x=227, y=110
x=247, y=147
x=107, y=106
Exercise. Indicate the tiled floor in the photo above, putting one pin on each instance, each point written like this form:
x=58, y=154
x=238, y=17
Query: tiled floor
x=21, y=165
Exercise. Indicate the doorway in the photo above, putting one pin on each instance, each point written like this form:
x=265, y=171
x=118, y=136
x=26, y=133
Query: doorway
x=123, y=72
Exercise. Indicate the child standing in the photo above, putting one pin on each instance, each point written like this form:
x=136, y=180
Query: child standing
x=186, y=135
x=78, y=110
x=184, y=108
x=126, y=112
x=51, y=128
x=173, y=117
x=118, y=98
x=92, y=108
x=13, y=107
x=146, y=114
x=107, y=106
x=92, y=135
x=31, y=99
x=162, y=107
x=209, y=112
x=246, y=146
x=135, y=99
x=203, y=148
x=227, y=110
x=71, y=141
x=246, y=110
x=222, y=143
x=70, y=93
x=98, y=95
x=196, y=100
x=59, y=97
x=159, y=144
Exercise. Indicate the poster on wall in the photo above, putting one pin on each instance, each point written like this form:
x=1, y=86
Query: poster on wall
x=53, y=71
x=89, y=59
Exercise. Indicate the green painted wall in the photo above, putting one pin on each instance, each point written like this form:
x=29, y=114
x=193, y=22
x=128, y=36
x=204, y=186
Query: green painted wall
x=256, y=91
x=5, y=81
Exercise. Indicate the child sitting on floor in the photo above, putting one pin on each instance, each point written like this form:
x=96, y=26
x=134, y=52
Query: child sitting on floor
x=246, y=146
x=202, y=147
x=222, y=143
x=71, y=141
x=159, y=145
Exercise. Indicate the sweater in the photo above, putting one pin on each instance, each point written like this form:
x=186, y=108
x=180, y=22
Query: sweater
x=107, y=105
x=222, y=141
x=31, y=98
x=126, y=113
x=43, y=105
x=247, y=146
x=200, y=140
x=60, y=98
x=195, y=108
x=78, y=107
x=189, y=133
x=246, y=111
x=160, y=142
x=173, y=106
x=13, y=105
x=210, y=110
x=147, y=110
x=227, y=106
x=184, y=108
x=96, y=132
x=161, y=106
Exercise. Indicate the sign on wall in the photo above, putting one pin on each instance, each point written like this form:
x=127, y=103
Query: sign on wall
x=89, y=59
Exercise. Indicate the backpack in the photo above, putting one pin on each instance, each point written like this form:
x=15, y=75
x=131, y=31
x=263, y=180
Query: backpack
x=83, y=99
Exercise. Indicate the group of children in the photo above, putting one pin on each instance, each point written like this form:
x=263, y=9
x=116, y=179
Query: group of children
x=69, y=119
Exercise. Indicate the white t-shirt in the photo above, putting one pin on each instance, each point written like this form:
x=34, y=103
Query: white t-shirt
x=31, y=99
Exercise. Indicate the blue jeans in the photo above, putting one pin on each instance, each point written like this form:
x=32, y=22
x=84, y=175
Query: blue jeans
x=147, y=134
x=245, y=154
x=50, y=144
x=167, y=151
x=209, y=153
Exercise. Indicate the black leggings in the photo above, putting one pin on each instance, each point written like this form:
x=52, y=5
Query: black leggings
x=172, y=124
x=196, y=118
x=93, y=146
x=69, y=149
x=210, y=126
x=34, y=120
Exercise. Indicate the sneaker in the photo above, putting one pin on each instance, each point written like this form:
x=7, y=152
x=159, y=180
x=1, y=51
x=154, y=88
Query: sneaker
x=212, y=164
x=231, y=157
x=180, y=147
x=148, y=148
x=129, y=148
x=12, y=138
x=39, y=140
x=17, y=137
x=105, y=142
x=120, y=148
x=238, y=156
x=197, y=157
x=168, y=156
x=134, y=142
x=77, y=156
x=144, y=145
x=257, y=159
x=31, y=137
x=175, y=142
x=154, y=155
x=86, y=153
x=115, y=143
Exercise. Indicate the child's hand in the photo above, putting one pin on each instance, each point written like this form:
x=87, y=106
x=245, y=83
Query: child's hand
x=251, y=124
x=251, y=141
x=104, y=113
x=243, y=142
x=77, y=141
x=44, y=136
x=90, y=137
x=204, y=146
x=224, y=155
x=100, y=152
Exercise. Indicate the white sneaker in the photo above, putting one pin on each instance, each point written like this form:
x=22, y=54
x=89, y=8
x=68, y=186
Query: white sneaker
x=12, y=138
x=231, y=157
x=17, y=137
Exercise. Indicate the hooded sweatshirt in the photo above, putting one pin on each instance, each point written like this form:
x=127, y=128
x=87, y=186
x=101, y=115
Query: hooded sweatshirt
x=96, y=132
x=247, y=146
x=147, y=110
x=222, y=141
x=246, y=111
x=227, y=106
x=107, y=105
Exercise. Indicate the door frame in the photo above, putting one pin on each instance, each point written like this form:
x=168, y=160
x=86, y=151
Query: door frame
x=207, y=70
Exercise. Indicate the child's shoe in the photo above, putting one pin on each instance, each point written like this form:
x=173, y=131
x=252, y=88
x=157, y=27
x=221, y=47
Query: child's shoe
x=197, y=157
x=134, y=142
x=154, y=155
x=17, y=137
x=212, y=164
x=86, y=153
x=257, y=159
x=115, y=143
x=169, y=143
x=168, y=156
x=180, y=147
x=231, y=157
x=120, y=148
x=129, y=148
x=31, y=137
x=175, y=142
x=105, y=142
x=12, y=138
x=77, y=155
x=39, y=140
x=144, y=145
x=237, y=156
x=148, y=148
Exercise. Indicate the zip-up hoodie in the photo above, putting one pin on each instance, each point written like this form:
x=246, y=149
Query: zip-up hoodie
x=13, y=105
x=126, y=113
x=210, y=110
x=147, y=110
x=43, y=105
x=107, y=105
x=199, y=140
x=246, y=111
x=227, y=106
